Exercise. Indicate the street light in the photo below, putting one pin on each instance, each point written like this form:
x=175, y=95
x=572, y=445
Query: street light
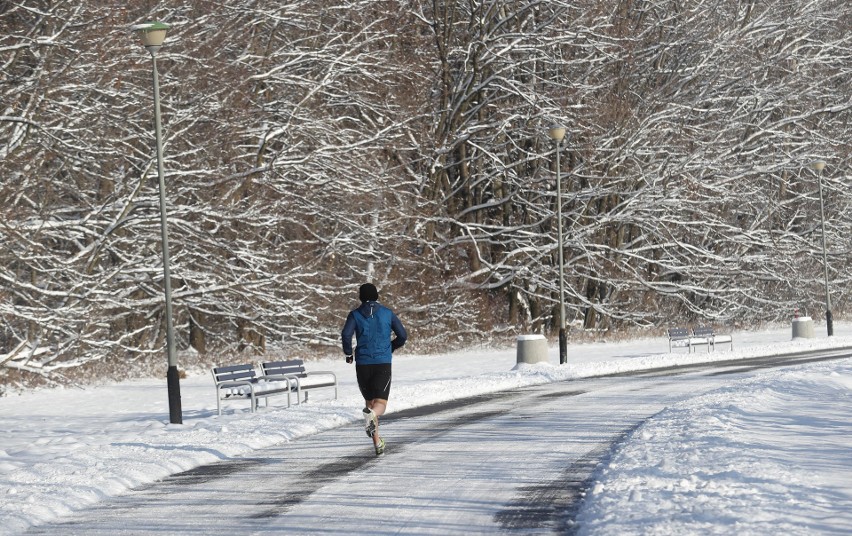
x=557, y=133
x=818, y=166
x=153, y=34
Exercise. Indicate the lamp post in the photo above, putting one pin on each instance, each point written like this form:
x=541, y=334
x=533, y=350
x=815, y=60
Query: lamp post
x=153, y=34
x=557, y=133
x=818, y=166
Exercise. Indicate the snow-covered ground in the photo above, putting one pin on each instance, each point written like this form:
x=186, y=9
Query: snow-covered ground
x=767, y=454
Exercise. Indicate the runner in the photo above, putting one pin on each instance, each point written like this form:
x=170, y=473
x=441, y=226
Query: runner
x=372, y=324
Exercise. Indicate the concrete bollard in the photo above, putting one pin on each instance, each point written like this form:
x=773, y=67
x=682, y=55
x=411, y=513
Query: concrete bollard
x=532, y=349
x=803, y=328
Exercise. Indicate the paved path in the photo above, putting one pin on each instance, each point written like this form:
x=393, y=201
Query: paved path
x=513, y=462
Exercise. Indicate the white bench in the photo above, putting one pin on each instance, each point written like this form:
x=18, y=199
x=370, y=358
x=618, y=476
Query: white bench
x=679, y=337
x=299, y=379
x=704, y=335
x=241, y=382
x=707, y=333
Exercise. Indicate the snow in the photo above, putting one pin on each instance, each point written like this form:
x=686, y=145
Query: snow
x=769, y=453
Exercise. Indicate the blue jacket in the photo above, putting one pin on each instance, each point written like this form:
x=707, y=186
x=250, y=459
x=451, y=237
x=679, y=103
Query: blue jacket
x=372, y=324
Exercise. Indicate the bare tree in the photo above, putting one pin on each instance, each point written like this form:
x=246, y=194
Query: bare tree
x=314, y=144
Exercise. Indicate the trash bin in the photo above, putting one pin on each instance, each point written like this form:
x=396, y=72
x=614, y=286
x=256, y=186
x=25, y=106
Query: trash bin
x=803, y=327
x=532, y=349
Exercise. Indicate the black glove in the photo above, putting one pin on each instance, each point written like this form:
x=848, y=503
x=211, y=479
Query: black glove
x=349, y=359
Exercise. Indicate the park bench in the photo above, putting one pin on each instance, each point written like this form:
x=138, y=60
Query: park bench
x=707, y=333
x=679, y=337
x=299, y=379
x=704, y=335
x=241, y=382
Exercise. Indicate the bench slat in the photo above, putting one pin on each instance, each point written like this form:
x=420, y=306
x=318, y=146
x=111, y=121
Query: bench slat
x=233, y=372
x=677, y=334
x=703, y=332
x=233, y=376
x=276, y=368
x=233, y=368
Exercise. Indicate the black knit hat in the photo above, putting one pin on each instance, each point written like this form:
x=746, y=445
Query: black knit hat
x=368, y=292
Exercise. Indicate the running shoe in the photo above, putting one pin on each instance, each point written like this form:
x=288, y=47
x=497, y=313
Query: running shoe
x=380, y=448
x=371, y=422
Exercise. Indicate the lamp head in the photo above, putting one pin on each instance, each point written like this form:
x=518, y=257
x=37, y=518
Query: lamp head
x=152, y=33
x=819, y=165
x=556, y=133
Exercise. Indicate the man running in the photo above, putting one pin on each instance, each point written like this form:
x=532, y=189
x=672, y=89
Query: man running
x=372, y=324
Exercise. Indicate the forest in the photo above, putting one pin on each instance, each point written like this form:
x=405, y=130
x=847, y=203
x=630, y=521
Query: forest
x=312, y=145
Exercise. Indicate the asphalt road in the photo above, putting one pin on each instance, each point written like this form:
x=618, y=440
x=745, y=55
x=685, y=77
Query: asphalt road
x=511, y=462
